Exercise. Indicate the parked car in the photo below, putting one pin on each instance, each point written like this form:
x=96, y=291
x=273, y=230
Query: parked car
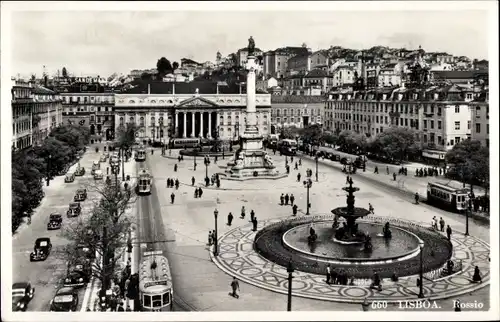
x=96, y=165
x=81, y=195
x=78, y=276
x=75, y=209
x=98, y=175
x=80, y=171
x=103, y=158
x=22, y=294
x=344, y=161
x=65, y=300
x=55, y=221
x=42, y=249
x=70, y=177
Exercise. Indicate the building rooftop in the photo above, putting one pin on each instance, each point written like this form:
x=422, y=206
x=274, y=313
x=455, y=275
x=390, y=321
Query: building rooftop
x=204, y=87
x=42, y=90
x=316, y=73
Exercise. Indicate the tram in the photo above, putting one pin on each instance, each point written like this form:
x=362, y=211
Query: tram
x=144, y=181
x=287, y=146
x=155, y=283
x=447, y=197
x=185, y=143
x=140, y=154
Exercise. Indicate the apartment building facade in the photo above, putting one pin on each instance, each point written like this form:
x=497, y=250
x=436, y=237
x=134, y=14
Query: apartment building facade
x=298, y=111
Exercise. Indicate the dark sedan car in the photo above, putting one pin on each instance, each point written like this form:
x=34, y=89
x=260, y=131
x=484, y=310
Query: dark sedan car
x=81, y=195
x=55, y=221
x=78, y=277
x=22, y=294
x=65, y=300
x=42, y=249
x=79, y=171
x=74, y=210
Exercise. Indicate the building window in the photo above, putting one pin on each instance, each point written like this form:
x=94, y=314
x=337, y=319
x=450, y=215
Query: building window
x=440, y=140
x=432, y=125
x=141, y=121
x=440, y=125
x=457, y=109
x=452, y=142
x=221, y=120
x=478, y=111
x=439, y=111
x=487, y=129
x=457, y=125
x=425, y=124
x=152, y=121
x=468, y=125
x=457, y=139
x=478, y=127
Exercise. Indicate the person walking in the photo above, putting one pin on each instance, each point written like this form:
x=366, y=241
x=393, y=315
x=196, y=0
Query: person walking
x=242, y=212
x=287, y=198
x=235, y=286
x=193, y=180
x=300, y=161
x=254, y=222
x=252, y=215
x=298, y=177
x=210, y=240
x=175, y=167
x=282, y=199
x=229, y=219
x=177, y=184
x=294, y=209
x=328, y=273
x=417, y=198
x=196, y=193
x=441, y=223
x=200, y=192
x=448, y=232
x=476, y=278
x=292, y=199
x=172, y=198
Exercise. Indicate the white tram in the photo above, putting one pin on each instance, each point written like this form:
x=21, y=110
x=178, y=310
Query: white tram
x=448, y=197
x=185, y=143
x=140, y=154
x=155, y=284
x=144, y=181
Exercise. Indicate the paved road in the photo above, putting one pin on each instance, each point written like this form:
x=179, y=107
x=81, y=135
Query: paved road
x=46, y=276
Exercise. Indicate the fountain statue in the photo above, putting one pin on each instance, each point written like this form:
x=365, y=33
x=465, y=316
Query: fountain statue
x=387, y=231
x=349, y=231
x=312, y=235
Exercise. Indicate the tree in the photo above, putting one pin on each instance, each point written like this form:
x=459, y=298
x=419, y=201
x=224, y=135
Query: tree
x=126, y=136
x=146, y=76
x=329, y=138
x=60, y=155
x=64, y=72
x=33, y=77
x=164, y=67
x=75, y=137
x=395, y=142
x=312, y=134
x=289, y=132
x=175, y=65
x=352, y=142
x=471, y=161
x=104, y=232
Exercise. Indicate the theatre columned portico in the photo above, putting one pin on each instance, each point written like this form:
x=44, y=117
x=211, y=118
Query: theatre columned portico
x=160, y=117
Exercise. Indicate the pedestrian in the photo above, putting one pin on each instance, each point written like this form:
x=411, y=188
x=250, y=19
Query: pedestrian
x=376, y=170
x=434, y=223
x=210, y=240
x=200, y=192
x=417, y=197
x=477, y=275
x=193, y=180
x=387, y=169
x=252, y=215
x=394, y=176
x=347, y=180
x=175, y=167
x=328, y=273
x=176, y=183
x=291, y=158
x=448, y=232
x=218, y=183
x=242, y=212
x=287, y=198
x=298, y=177
x=300, y=161
x=287, y=169
x=254, y=223
x=179, y=158
x=229, y=219
x=334, y=277
x=172, y=198
x=235, y=286
x=196, y=193
x=296, y=166
x=441, y=223
x=292, y=199
x=294, y=209
x=282, y=199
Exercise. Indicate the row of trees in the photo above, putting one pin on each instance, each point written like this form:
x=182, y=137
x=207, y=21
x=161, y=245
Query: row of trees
x=469, y=160
x=32, y=165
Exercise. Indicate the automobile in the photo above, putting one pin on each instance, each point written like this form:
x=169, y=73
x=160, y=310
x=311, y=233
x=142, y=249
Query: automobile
x=106, y=154
x=70, y=177
x=84, y=253
x=344, y=160
x=96, y=165
x=81, y=195
x=102, y=158
x=78, y=276
x=75, y=209
x=22, y=294
x=42, y=249
x=65, y=300
x=98, y=175
x=80, y=171
x=55, y=221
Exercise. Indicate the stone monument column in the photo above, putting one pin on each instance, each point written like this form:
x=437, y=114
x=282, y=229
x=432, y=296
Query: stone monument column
x=251, y=124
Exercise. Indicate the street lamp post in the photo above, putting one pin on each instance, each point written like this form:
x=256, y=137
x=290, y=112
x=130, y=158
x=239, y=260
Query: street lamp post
x=290, y=270
x=316, y=159
x=123, y=166
x=467, y=211
x=308, y=184
x=206, y=162
x=216, y=247
x=48, y=169
x=421, y=273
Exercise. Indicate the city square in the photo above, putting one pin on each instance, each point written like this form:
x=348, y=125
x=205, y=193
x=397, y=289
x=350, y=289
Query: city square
x=230, y=186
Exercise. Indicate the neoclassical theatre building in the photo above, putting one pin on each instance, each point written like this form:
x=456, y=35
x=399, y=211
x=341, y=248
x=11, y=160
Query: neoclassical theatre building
x=197, y=109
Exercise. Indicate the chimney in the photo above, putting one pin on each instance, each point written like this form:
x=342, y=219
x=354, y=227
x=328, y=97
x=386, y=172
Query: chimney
x=217, y=85
x=149, y=89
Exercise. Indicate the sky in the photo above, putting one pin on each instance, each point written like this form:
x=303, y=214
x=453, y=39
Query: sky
x=104, y=42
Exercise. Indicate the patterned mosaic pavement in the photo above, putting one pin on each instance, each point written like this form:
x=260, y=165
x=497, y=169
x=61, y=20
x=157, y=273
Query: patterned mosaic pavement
x=238, y=258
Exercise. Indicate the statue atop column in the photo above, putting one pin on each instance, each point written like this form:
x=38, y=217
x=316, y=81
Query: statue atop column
x=251, y=46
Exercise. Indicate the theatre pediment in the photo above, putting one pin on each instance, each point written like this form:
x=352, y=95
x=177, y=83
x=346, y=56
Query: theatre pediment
x=197, y=102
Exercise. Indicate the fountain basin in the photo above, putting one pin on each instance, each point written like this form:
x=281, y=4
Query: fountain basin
x=403, y=244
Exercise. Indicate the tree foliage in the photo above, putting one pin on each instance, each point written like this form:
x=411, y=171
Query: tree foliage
x=104, y=232
x=289, y=132
x=175, y=65
x=29, y=167
x=64, y=72
x=312, y=134
x=352, y=142
x=395, y=143
x=471, y=160
x=126, y=136
x=164, y=67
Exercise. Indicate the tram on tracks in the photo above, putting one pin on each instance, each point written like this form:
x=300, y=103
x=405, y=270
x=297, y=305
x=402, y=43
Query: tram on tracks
x=144, y=181
x=447, y=197
x=287, y=146
x=185, y=143
x=155, y=283
x=140, y=154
